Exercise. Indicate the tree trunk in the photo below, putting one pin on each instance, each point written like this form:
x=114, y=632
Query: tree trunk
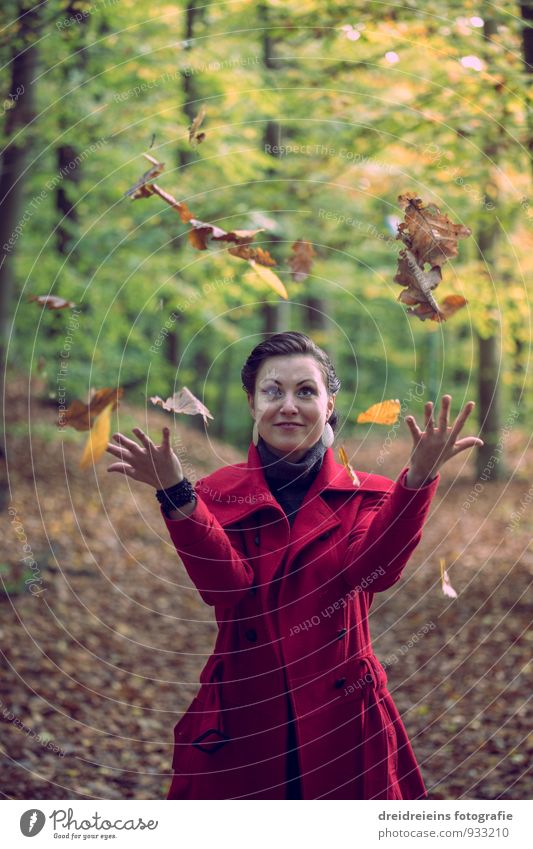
x=489, y=354
x=12, y=176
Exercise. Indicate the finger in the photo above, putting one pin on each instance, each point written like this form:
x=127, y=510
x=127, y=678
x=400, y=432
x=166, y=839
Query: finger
x=428, y=412
x=146, y=441
x=166, y=438
x=413, y=427
x=444, y=420
x=123, y=468
x=460, y=420
x=126, y=442
x=467, y=442
x=118, y=451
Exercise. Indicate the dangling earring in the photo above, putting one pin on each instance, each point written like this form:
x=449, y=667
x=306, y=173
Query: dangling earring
x=255, y=434
x=327, y=435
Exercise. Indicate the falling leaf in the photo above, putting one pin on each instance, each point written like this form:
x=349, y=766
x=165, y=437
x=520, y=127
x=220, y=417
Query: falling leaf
x=138, y=189
x=385, y=413
x=347, y=465
x=81, y=416
x=430, y=237
x=193, y=135
x=268, y=276
x=248, y=252
x=98, y=437
x=301, y=260
x=202, y=232
x=51, y=302
x=183, y=402
x=447, y=588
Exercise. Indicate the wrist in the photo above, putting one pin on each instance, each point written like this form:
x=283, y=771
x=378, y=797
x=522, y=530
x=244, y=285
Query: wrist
x=415, y=479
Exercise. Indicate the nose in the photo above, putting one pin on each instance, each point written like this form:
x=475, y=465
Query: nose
x=288, y=404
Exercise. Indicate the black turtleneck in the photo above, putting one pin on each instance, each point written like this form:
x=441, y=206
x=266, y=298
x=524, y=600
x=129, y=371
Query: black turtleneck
x=289, y=481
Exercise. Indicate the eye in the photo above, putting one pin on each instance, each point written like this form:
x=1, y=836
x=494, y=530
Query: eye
x=308, y=389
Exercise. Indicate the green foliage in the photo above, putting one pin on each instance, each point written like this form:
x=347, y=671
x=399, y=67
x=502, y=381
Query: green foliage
x=359, y=119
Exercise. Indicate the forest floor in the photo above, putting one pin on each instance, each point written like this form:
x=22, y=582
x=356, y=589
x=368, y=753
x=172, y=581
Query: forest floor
x=101, y=663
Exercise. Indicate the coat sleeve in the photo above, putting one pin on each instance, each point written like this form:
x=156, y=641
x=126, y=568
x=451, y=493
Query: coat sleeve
x=217, y=567
x=387, y=531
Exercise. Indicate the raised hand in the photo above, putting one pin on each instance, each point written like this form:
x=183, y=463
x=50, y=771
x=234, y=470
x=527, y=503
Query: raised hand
x=156, y=465
x=435, y=445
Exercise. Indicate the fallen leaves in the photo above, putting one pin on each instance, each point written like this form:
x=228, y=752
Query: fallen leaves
x=430, y=237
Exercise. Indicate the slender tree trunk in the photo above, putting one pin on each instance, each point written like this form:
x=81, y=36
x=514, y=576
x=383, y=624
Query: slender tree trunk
x=12, y=177
x=489, y=354
x=276, y=317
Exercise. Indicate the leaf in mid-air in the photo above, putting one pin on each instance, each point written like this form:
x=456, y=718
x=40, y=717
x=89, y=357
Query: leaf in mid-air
x=270, y=278
x=195, y=138
x=203, y=232
x=446, y=586
x=301, y=260
x=98, y=437
x=51, y=302
x=183, y=401
x=385, y=413
x=429, y=237
x=347, y=465
x=138, y=189
x=81, y=416
x=248, y=252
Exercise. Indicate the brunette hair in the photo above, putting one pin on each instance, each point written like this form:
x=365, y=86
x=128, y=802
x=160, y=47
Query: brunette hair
x=291, y=342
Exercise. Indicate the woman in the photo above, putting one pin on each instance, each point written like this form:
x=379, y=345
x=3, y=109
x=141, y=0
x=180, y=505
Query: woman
x=293, y=702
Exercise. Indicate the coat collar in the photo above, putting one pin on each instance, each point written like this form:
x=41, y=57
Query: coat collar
x=241, y=489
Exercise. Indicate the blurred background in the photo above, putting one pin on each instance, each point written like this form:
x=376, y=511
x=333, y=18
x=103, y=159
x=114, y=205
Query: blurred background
x=318, y=116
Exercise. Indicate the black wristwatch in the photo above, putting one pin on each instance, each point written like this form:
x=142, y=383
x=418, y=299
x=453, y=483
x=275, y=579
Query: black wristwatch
x=176, y=496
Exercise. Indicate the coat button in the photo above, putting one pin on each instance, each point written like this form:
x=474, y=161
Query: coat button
x=341, y=633
x=253, y=590
x=251, y=634
x=340, y=682
x=325, y=535
x=256, y=539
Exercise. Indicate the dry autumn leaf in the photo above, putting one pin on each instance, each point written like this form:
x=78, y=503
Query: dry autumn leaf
x=301, y=260
x=51, y=302
x=81, y=416
x=385, y=413
x=248, y=252
x=347, y=465
x=196, y=138
x=138, y=190
x=429, y=237
x=203, y=232
x=183, y=402
x=446, y=586
x=98, y=438
x=268, y=276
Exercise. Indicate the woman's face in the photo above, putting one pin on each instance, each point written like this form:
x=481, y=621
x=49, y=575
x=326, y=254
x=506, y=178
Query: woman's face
x=290, y=389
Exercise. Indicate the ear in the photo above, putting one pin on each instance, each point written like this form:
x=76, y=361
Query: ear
x=250, y=399
x=331, y=404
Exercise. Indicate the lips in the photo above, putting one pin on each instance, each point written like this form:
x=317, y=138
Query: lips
x=289, y=424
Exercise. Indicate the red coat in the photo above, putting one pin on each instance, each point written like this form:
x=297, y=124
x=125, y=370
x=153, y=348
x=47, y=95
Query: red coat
x=291, y=606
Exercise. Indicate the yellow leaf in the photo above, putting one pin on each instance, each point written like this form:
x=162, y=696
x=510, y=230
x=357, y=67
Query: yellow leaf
x=386, y=413
x=446, y=586
x=98, y=438
x=269, y=277
x=344, y=460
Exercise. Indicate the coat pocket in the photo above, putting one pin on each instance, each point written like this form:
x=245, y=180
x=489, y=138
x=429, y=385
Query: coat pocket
x=202, y=727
